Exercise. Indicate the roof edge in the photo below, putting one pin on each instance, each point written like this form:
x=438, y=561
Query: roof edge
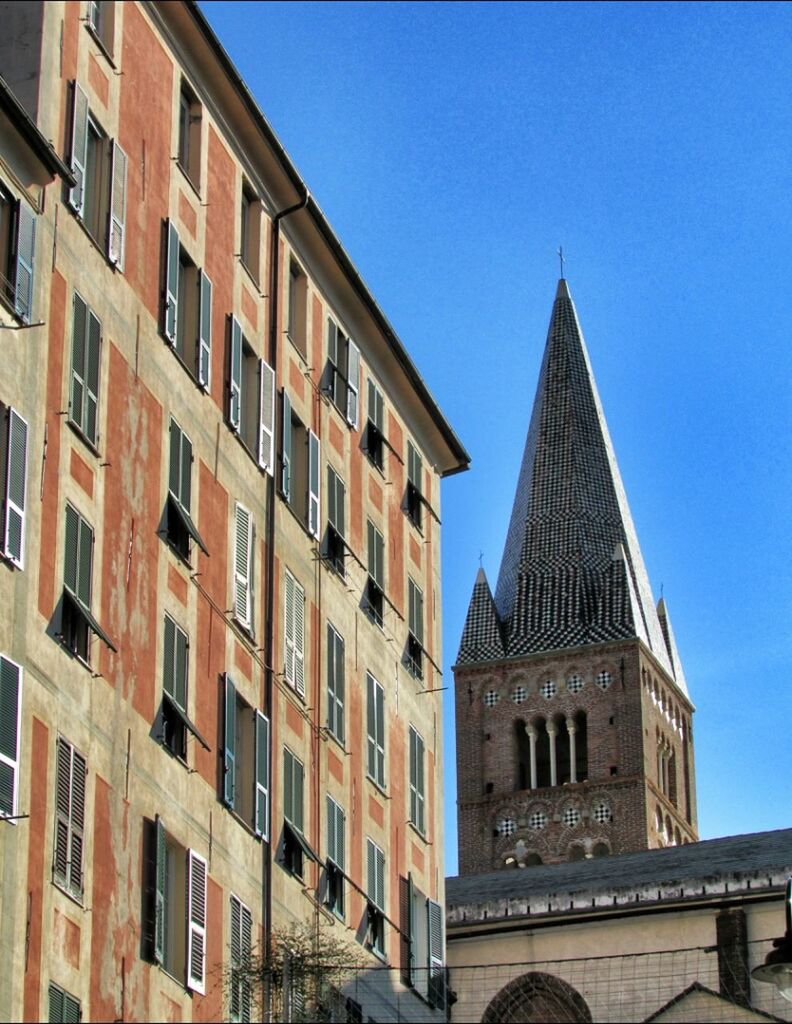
x=27, y=127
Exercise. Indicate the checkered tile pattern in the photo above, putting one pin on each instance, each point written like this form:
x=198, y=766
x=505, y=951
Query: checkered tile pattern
x=481, y=637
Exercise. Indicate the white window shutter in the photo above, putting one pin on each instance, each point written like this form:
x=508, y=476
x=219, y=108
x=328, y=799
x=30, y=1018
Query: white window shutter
x=196, y=922
x=15, y=488
x=434, y=913
x=26, y=246
x=160, y=888
x=11, y=717
x=314, y=484
x=235, y=377
x=242, y=559
x=262, y=776
x=299, y=639
x=118, y=186
x=353, y=384
x=229, y=745
x=288, y=617
x=286, y=445
x=79, y=148
x=171, y=317
x=204, y=330
x=266, y=452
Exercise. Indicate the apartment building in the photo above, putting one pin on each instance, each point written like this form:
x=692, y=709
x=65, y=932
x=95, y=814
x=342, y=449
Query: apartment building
x=220, y=605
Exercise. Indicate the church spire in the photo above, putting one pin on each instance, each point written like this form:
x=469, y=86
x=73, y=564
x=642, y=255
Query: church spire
x=481, y=637
x=572, y=570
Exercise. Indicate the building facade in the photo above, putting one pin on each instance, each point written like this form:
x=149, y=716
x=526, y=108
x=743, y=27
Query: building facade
x=572, y=713
x=220, y=580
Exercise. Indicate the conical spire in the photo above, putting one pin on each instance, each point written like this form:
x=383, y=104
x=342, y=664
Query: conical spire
x=481, y=637
x=572, y=570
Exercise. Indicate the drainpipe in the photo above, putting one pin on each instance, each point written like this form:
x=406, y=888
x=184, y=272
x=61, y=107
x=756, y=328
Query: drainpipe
x=270, y=561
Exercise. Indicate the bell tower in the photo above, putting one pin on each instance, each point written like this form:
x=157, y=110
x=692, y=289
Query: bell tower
x=573, y=719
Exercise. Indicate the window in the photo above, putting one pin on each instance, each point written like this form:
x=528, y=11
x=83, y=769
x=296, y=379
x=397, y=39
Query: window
x=13, y=485
x=63, y=1007
x=375, y=583
x=417, y=797
x=297, y=308
x=375, y=427
x=187, y=311
x=84, y=389
x=175, y=721
x=244, y=561
x=179, y=525
x=375, y=891
x=17, y=247
x=99, y=166
x=10, y=734
x=246, y=783
x=189, y=153
x=414, y=659
x=335, y=546
x=295, y=847
x=294, y=643
x=342, y=373
x=77, y=621
x=241, y=948
x=336, y=821
x=375, y=763
x=414, y=497
x=101, y=14
x=250, y=230
x=422, y=924
x=335, y=683
x=300, y=461
x=251, y=399
x=179, y=910
x=70, y=818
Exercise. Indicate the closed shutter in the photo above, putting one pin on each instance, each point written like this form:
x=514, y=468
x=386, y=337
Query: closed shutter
x=405, y=929
x=70, y=549
x=419, y=784
x=118, y=186
x=414, y=467
x=78, y=556
x=376, y=875
x=298, y=778
x=79, y=148
x=172, y=271
x=25, y=254
x=70, y=817
x=13, y=519
x=160, y=878
x=229, y=751
x=79, y=345
x=241, y=939
x=174, y=679
x=92, y=353
x=371, y=727
x=10, y=730
x=204, y=330
x=243, y=550
x=235, y=376
x=266, y=448
x=71, y=1009
x=77, y=822
x=288, y=617
x=434, y=913
x=376, y=555
x=180, y=467
x=353, y=384
x=416, y=612
x=262, y=776
x=379, y=703
x=286, y=447
x=299, y=639
x=196, y=922
x=413, y=777
x=335, y=833
x=335, y=683
x=376, y=408
x=314, y=483
x=246, y=946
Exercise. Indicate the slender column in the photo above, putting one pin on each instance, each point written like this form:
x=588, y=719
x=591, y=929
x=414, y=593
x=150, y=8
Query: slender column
x=551, y=732
x=571, y=729
x=532, y=744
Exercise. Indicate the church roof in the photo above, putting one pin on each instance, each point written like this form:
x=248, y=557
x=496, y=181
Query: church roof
x=481, y=637
x=572, y=570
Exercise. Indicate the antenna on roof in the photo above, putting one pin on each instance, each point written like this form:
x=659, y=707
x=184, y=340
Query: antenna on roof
x=561, y=260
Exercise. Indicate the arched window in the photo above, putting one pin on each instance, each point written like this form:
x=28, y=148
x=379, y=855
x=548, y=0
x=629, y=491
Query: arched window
x=600, y=850
x=537, y=997
x=577, y=852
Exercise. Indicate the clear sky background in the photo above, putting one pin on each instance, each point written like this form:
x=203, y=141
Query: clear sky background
x=453, y=147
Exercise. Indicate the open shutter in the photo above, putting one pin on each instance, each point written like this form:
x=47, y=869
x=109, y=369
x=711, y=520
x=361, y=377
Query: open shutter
x=180, y=670
x=204, y=329
x=299, y=639
x=79, y=339
x=266, y=449
x=70, y=550
x=379, y=725
x=242, y=566
x=23, y=279
x=371, y=727
x=84, y=562
x=196, y=923
x=288, y=616
x=118, y=183
x=434, y=913
x=10, y=727
x=262, y=776
x=13, y=537
x=331, y=830
x=235, y=376
x=229, y=753
x=286, y=447
x=298, y=778
x=420, y=820
x=353, y=384
x=79, y=148
x=93, y=342
x=185, y=472
x=160, y=872
x=77, y=822
x=313, y=484
x=171, y=284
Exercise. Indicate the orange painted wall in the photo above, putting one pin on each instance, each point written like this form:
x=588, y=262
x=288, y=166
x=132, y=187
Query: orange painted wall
x=218, y=258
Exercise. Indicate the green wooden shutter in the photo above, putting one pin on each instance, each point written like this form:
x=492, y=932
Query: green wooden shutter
x=314, y=484
x=353, y=384
x=185, y=472
x=55, y=1008
x=79, y=148
x=245, y=943
x=379, y=694
x=335, y=683
x=262, y=776
x=405, y=929
x=266, y=446
x=174, y=464
x=288, y=786
x=434, y=913
x=172, y=273
x=118, y=186
x=71, y=1009
x=70, y=549
x=180, y=670
x=160, y=874
x=235, y=376
x=371, y=727
x=298, y=779
x=331, y=829
x=10, y=729
x=204, y=330
x=77, y=822
x=13, y=520
x=236, y=958
x=93, y=344
x=62, y=811
x=371, y=871
x=286, y=448
x=413, y=776
x=229, y=753
x=196, y=922
x=25, y=253
x=84, y=563
x=419, y=784
x=78, y=368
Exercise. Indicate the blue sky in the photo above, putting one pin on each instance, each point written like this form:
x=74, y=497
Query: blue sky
x=454, y=147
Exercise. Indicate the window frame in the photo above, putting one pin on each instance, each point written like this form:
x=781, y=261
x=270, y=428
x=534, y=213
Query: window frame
x=186, y=323
x=257, y=749
x=13, y=485
x=417, y=780
x=414, y=498
x=189, y=134
x=375, y=731
x=11, y=692
x=294, y=634
x=18, y=256
x=85, y=380
x=336, y=693
x=375, y=579
x=342, y=373
x=415, y=650
x=335, y=863
x=335, y=543
x=241, y=947
x=375, y=898
x=174, y=710
x=77, y=619
x=180, y=528
x=375, y=442
x=69, y=832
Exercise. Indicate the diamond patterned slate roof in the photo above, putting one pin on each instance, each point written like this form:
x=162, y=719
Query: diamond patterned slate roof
x=481, y=637
x=572, y=570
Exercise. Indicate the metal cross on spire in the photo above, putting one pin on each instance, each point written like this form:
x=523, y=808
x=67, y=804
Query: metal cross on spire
x=561, y=259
